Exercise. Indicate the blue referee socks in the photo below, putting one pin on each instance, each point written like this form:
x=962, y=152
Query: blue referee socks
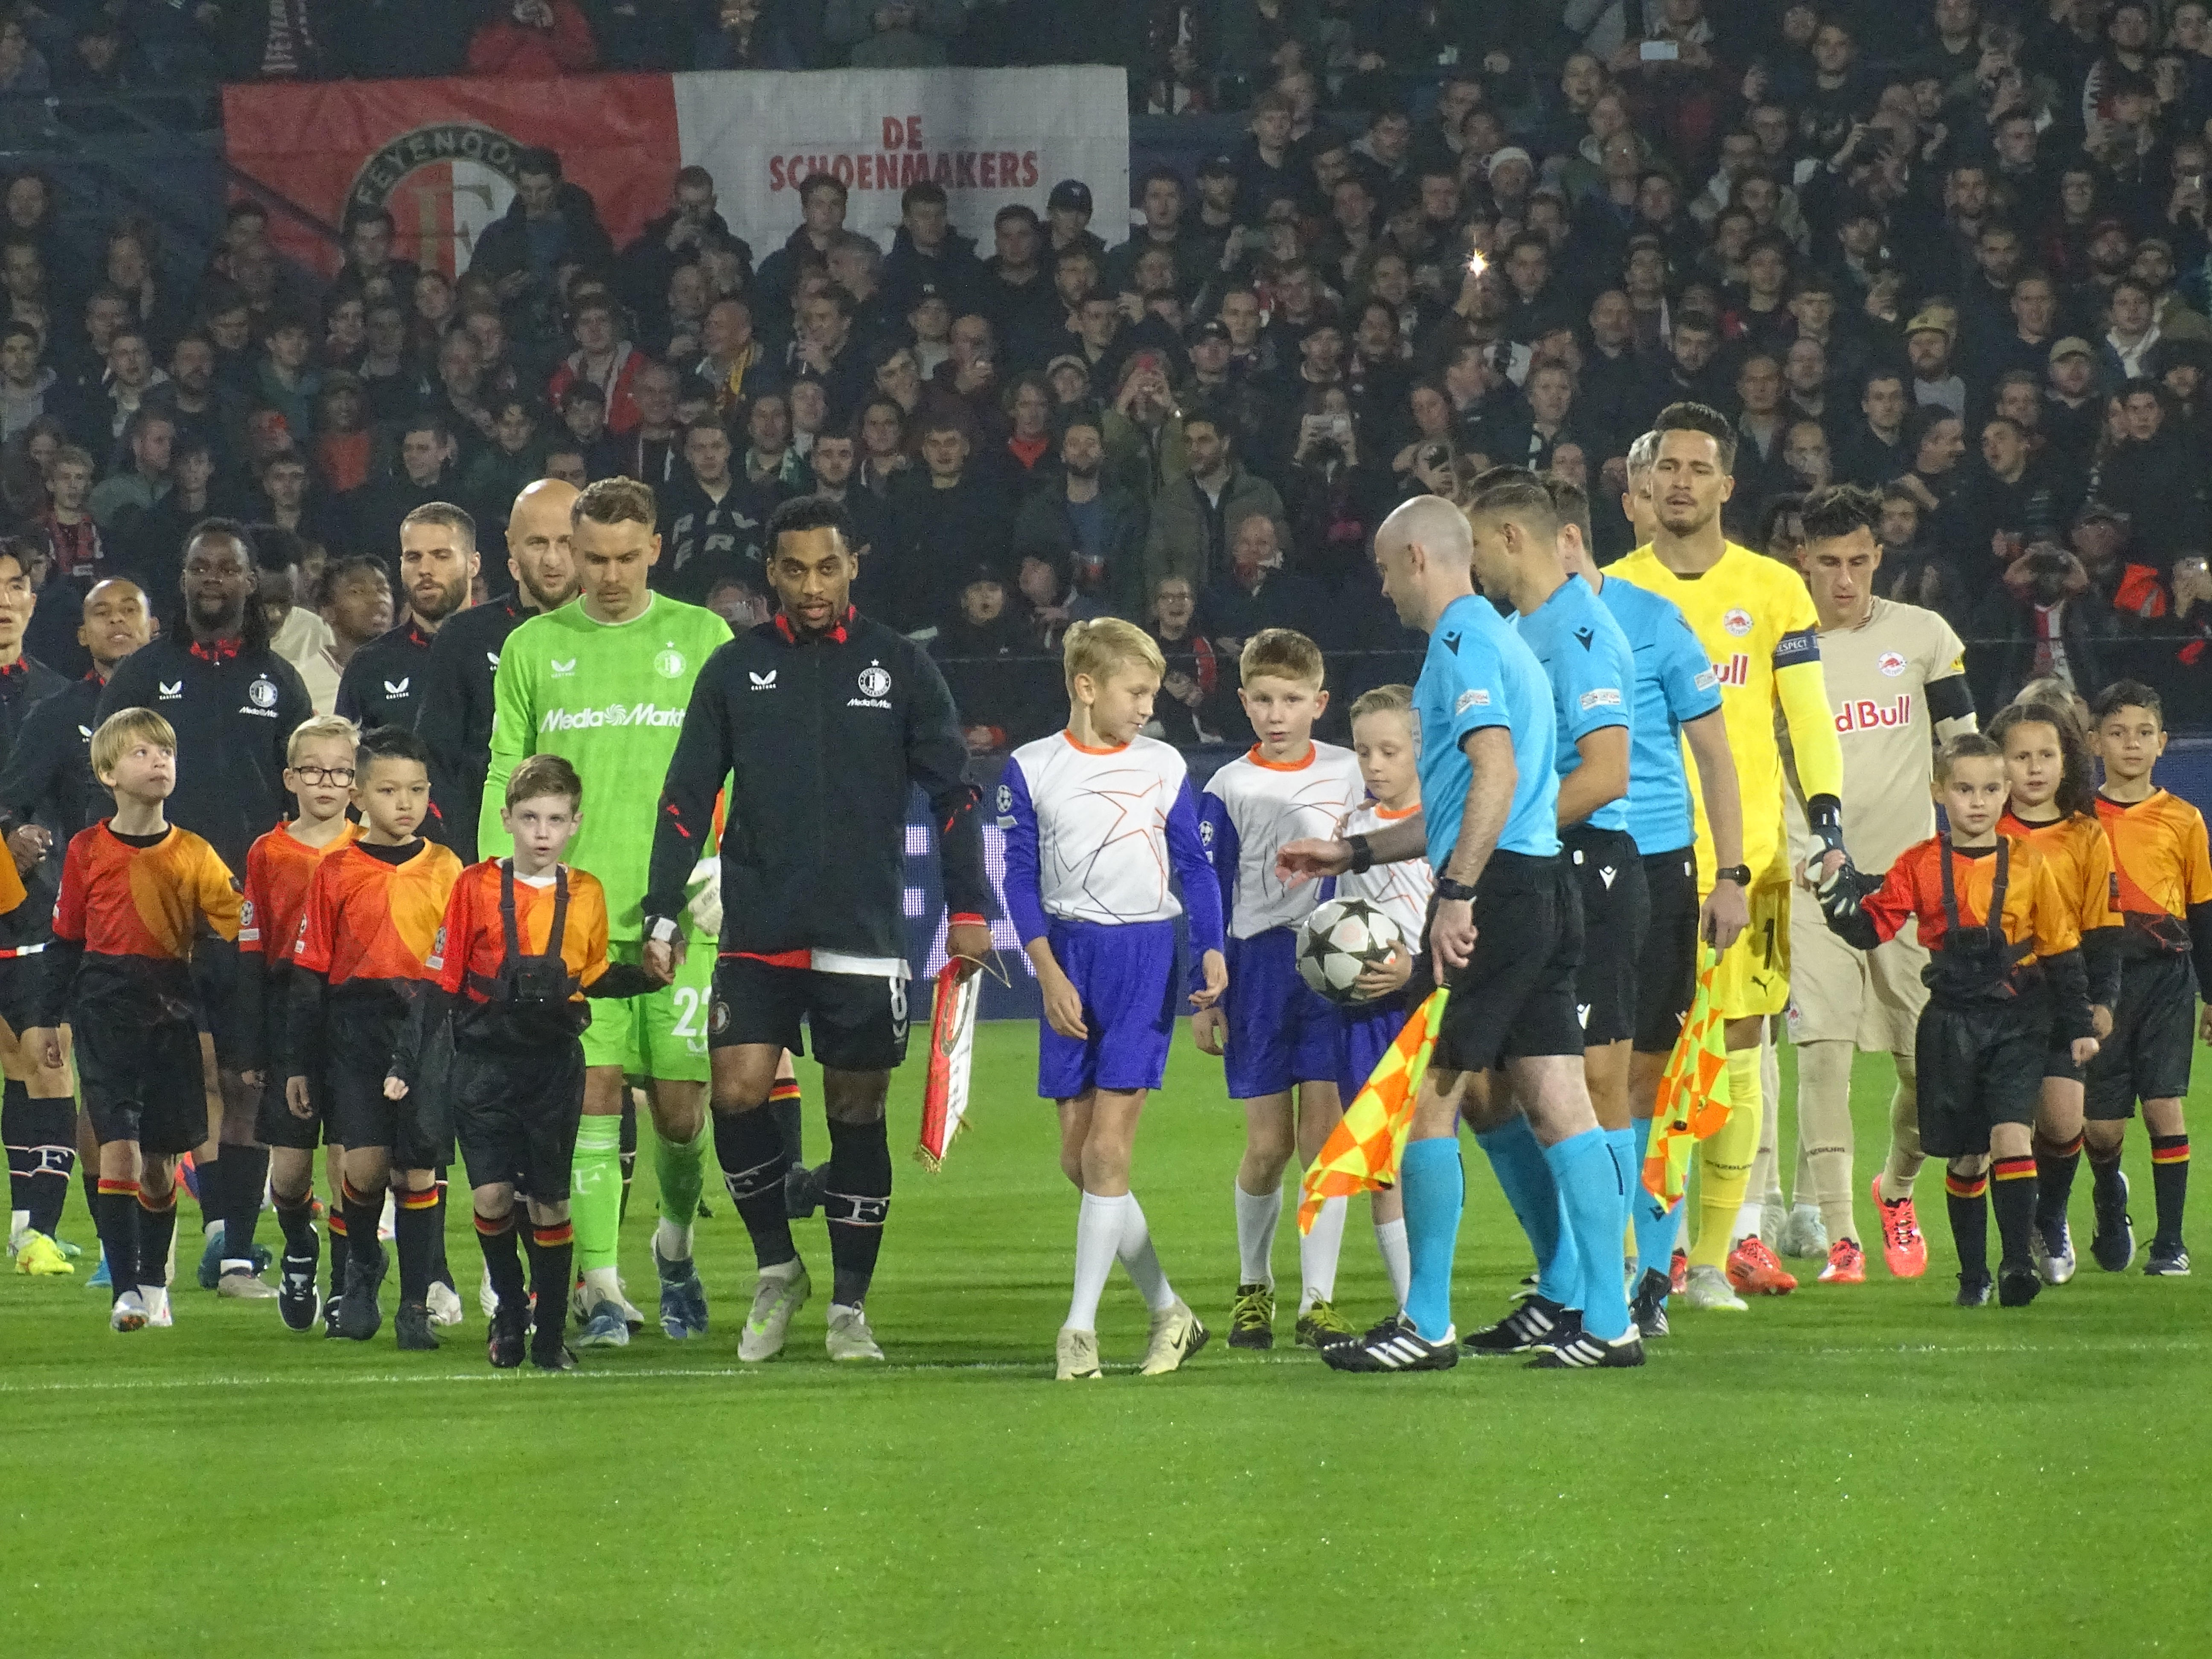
x=1521, y=1171
x=1435, y=1190
x=1628, y=1166
x=1590, y=1191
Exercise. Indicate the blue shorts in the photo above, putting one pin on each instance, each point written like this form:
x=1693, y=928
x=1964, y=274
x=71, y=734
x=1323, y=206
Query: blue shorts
x=1126, y=976
x=1367, y=1033
x=1280, y=1030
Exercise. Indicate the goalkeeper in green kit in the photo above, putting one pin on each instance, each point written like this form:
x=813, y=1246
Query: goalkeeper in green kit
x=604, y=683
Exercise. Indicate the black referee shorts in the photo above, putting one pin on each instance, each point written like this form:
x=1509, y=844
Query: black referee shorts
x=1667, y=962
x=1515, y=999
x=1616, y=915
x=1978, y=1067
x=856, y=1022
x=2154, y=1033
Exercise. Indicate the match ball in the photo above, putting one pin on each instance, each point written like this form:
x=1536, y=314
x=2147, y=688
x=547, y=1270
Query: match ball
x=1339, y=941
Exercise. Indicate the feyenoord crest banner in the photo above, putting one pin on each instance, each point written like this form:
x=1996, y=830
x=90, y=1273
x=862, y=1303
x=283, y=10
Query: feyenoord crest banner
x=440, y=155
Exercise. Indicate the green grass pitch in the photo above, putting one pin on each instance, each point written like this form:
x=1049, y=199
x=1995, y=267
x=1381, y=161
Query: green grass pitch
x=1845, y=1471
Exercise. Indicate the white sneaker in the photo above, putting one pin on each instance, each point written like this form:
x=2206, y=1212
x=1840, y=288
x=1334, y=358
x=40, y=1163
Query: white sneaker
x=1709, y=1289
x=1077, y=1353
x=1177, y=1335
x=245, y=1286
x=487, y=1298
x=1773, y=1222
x=129, y=1313
x=849, y=1336
x=444, y=1303
x=1804, y=1235
x=159, y=1314
x=781, y=1293
x=588, y=1299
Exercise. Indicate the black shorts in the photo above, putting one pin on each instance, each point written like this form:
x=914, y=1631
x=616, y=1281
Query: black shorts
x=215, y=980
x=858, y=1022
x=2058, y=1062
x=22, y=979
x=142, y=1080
x=1515, y=999
x=2154, y=1032
x=1978, y=1067
x=417, y=1131
x=1666, y=965
x=274, y=1124
x=515, y=1114
x=1616, y=917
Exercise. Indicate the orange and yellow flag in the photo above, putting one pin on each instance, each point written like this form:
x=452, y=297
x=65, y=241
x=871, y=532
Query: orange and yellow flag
x=1361, y=1152
x=1693, y=1092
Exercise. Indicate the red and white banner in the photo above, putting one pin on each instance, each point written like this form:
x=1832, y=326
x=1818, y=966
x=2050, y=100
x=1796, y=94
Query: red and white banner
x=440, y=155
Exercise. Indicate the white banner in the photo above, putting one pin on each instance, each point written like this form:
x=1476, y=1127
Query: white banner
x=990, y=136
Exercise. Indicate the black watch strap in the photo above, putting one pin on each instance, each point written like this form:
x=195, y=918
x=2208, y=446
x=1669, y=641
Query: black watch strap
x=1453, y=891
x=1738, y=873
x=1362, y=854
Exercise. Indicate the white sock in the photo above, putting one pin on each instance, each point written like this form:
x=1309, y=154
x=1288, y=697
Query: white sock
x=1098, y=1227
x=232, y=1264
x=1257, y=1215
x=384, y=1229
x=600, y=1285
x=1747, y=1217
x=672, y=1240
x=1318, y=1251
x=1136, y=1253
x=155, y=1296
x=209, y=1230
x=19, y=1223
x=1390, y=1239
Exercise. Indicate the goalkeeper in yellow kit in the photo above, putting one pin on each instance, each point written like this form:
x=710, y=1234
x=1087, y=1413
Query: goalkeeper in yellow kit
x=1755, y=618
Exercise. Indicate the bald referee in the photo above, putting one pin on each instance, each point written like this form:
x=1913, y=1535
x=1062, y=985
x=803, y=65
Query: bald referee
x=1505, y=935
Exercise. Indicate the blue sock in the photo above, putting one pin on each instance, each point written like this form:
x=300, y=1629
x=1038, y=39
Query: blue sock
x=1435, y=1190
x=1590, y=1191
x=1518, y=1161
x=1628, y=1165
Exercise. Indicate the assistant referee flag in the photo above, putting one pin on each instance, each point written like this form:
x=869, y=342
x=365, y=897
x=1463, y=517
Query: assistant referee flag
x=1361, y=1152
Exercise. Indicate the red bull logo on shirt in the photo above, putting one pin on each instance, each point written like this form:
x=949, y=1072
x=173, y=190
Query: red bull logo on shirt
x=1736, y=670
x=1865, y=714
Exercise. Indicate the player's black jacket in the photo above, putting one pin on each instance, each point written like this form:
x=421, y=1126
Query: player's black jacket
x=383, y=681
x=233, y=710
x=47, y=776
x=823, y=742
x=27, y=690
x=454, y=720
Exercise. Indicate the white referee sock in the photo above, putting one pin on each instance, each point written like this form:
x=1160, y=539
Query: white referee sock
x=1257, y=1214
x=1390, y=1239
x=1318, y=1251
x=1142, y=1261
x=1098, y=1227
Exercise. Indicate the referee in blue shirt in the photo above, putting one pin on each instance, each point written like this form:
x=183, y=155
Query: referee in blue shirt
x=1505, y=934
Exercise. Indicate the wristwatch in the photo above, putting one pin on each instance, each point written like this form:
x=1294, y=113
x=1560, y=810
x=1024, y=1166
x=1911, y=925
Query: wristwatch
x=1363, y=855
x=1453, y=891
x=1738, y=873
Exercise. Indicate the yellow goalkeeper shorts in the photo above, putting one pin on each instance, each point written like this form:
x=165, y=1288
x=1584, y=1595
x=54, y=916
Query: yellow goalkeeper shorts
x=1754, y=972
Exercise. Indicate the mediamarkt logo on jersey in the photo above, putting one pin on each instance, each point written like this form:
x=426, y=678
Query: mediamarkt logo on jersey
x=615, y=714
x=1867, y=715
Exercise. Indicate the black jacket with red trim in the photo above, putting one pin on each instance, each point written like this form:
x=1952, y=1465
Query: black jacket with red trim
x=822, y=742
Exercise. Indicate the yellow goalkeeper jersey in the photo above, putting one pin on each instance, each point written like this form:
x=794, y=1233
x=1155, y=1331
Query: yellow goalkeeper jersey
x=1755, y=619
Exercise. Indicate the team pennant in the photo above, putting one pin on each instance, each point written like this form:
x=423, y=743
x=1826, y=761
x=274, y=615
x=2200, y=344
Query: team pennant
x=1361, y=1152
x=1693, y=1092
x=951, y=1053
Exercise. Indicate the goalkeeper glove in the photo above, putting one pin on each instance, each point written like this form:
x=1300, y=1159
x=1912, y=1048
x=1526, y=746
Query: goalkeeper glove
x=703, y=898
x=1842, y=896
x=1824, y=814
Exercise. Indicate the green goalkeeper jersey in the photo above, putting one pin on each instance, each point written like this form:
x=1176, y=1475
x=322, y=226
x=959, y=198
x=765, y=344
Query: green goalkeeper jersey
x=608, y=697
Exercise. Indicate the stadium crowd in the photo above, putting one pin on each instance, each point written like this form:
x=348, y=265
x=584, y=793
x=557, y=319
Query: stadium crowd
x=1958, y=258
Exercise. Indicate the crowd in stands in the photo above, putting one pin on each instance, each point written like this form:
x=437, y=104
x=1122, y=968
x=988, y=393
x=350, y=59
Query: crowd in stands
x=1957, y=253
